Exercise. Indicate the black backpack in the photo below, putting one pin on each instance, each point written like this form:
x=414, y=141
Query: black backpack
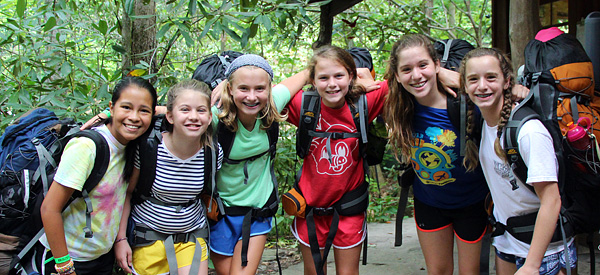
x=212, y=69
x=559, y=75
x=30, y=153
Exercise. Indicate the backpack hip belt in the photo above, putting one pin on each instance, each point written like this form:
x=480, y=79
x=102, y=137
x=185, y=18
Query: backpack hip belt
x=146, y=236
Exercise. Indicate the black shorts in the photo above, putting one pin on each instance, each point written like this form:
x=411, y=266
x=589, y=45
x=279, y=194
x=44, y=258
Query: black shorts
x=469, y=223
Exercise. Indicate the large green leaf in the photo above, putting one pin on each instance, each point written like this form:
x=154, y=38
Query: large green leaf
x=50, y=23
x=21, y=6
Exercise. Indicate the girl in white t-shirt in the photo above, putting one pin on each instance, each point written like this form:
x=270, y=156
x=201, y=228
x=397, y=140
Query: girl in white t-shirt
x=486, y=76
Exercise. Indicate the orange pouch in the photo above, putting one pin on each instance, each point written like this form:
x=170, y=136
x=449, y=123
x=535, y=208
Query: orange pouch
x=294, y=203
x=212, y=207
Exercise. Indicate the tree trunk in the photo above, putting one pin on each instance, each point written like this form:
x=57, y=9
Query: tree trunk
x=139, y=36
x=428, y=15
x=523, y=24
x=325, y=27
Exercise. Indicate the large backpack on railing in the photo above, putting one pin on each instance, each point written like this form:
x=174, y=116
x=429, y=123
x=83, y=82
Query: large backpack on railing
x=30, y=152
x=560, y=77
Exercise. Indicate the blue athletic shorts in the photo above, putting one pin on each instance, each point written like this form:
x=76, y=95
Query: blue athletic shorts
x=553, y=263
x=225, y=233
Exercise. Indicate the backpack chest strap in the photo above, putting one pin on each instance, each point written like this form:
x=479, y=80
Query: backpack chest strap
x=332, y=135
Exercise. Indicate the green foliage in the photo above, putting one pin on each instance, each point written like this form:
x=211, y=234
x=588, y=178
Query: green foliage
x=67, y=55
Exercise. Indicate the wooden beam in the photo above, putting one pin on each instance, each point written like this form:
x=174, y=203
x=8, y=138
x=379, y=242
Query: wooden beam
x=500, y=25
x=329, y=11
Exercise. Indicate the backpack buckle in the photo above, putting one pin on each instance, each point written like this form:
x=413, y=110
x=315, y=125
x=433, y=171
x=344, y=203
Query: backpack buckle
x=181, y=238
x=336, y=135
x=321, y=211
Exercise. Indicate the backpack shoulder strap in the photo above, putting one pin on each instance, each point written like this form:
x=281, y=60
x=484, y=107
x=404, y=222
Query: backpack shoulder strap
x=148, y=153
x=519, y=115
x=101, y=162
x=226, y=138
x=309, y=116
x=360, y=115
x=98, y=171
x=273, y=134
x=457, y=112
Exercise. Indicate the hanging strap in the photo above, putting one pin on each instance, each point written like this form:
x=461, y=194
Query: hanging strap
x=447, y=46
x=313, y=240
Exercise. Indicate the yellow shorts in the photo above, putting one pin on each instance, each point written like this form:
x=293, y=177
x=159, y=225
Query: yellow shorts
x=152, y=259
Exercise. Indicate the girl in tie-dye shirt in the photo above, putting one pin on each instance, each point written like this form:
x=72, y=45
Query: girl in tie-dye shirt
x=131, y=107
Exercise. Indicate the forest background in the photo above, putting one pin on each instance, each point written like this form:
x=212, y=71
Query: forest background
x=66, y=55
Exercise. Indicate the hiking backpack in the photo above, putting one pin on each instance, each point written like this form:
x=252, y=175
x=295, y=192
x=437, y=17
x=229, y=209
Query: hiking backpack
x=30, y=152
x=559, y=75
x=212, y=69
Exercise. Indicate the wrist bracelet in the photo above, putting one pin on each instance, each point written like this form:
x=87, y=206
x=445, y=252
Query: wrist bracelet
x=65, y=269
x=121, y=239
x=63, y=259
x=106, y=112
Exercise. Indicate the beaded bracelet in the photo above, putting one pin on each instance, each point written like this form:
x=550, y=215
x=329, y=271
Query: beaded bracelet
x=65, y=269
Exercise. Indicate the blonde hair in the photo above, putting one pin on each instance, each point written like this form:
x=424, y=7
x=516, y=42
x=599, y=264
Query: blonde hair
x=345, y=59
x=471, y=151
x=399, y=104
x=195, y=86
x=228, y=115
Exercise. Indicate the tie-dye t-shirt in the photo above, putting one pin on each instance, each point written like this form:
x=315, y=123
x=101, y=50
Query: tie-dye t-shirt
x=107, y=198
x=442, y=181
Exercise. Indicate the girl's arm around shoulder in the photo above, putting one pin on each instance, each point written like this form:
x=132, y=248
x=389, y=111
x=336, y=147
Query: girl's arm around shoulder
x=295, y=82
x=376, y=100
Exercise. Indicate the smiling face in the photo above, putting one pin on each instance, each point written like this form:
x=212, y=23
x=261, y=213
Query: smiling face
x=485, y=83
x=131, y=114
x=417, y=72
x=249, y=88
x=332, y=81
x=190, y=115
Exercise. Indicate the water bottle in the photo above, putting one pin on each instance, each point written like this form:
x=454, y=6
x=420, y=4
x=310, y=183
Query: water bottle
x=578, y=136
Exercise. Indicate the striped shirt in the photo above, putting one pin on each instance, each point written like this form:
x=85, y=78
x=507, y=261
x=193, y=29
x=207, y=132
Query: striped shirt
x=176, y=181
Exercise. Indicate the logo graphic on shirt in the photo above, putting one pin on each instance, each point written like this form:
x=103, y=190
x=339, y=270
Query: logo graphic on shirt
x=502, y=169
x=341, y=150
x=432, y=164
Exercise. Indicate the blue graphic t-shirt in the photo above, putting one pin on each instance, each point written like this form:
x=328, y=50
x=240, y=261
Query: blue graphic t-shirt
x=442, y=181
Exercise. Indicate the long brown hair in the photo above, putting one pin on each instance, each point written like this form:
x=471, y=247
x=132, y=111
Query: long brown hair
x=228, y=115
x=343, y=58
x=399, y=105
x=471, y=151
